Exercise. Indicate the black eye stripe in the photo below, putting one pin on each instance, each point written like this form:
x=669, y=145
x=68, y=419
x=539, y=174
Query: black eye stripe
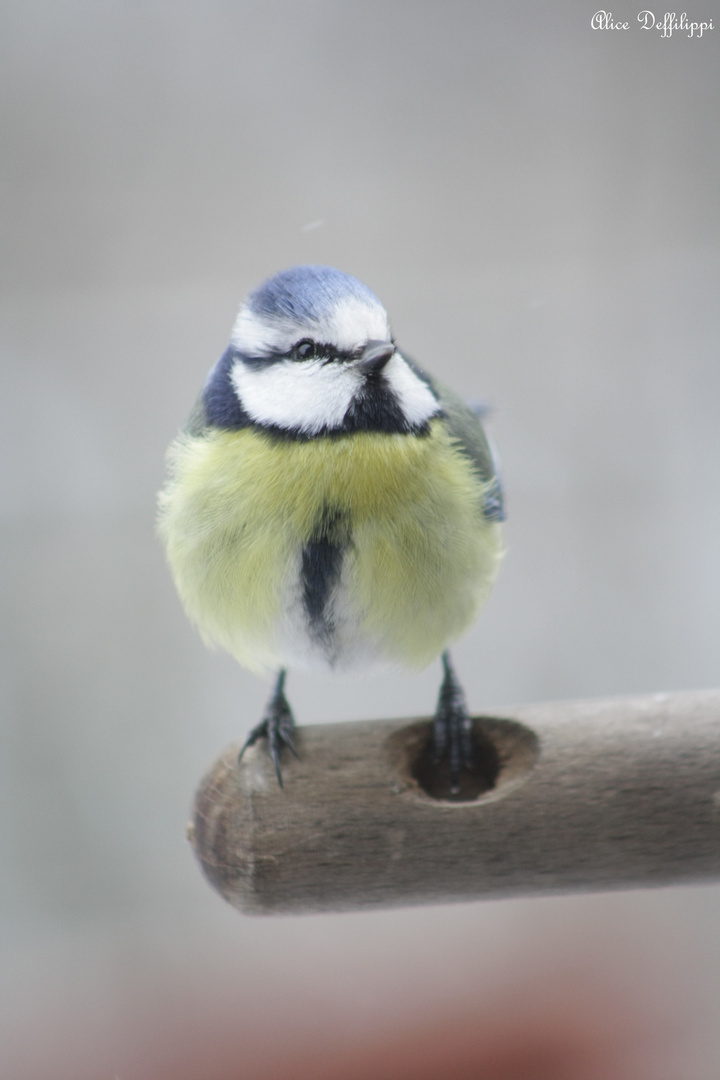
x=307, y=349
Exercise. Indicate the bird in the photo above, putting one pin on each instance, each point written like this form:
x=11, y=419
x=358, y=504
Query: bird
x=330, y=505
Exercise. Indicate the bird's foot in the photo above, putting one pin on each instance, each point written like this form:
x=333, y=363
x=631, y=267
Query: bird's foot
x=452, y=727
x=277, y=726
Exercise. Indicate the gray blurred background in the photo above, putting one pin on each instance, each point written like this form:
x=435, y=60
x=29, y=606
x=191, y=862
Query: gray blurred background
x=536, y=203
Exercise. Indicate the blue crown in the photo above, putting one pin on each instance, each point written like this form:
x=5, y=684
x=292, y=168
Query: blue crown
x=307, y=293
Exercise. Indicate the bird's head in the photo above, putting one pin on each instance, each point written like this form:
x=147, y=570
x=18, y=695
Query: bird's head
x=311, y=353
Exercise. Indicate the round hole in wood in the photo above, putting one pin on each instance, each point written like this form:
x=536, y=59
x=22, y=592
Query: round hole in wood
x=504, y=753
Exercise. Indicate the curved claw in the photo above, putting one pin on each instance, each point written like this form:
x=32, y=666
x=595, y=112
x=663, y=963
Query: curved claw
x=277, y=726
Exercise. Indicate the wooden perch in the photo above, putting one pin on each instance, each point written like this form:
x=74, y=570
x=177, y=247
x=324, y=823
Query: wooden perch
x=565, y=796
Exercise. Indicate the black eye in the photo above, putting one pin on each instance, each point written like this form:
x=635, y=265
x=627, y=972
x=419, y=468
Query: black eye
x=307, y=349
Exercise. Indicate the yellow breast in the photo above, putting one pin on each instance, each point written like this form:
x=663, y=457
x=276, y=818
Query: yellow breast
x=420, y=558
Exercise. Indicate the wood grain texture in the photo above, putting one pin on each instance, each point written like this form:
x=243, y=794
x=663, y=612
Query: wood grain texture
x=567, y=796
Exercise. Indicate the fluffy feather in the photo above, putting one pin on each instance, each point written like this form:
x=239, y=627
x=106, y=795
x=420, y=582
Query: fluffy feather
x=419, y=562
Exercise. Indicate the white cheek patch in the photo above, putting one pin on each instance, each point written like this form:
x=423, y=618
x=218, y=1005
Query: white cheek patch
x=297, y=396
x=310, y=396
x=414, y=396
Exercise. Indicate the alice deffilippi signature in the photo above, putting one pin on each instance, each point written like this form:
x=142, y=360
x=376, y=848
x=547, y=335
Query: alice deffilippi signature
x=667, y=24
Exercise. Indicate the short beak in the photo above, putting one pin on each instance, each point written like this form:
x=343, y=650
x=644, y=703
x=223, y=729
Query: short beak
x=374, y=357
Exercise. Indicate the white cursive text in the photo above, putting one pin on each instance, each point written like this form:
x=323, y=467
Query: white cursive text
x=672, y=22
x=669, y=23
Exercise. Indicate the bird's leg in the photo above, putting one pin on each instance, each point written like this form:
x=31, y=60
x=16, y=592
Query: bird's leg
x=452, y=726
x=277, y=726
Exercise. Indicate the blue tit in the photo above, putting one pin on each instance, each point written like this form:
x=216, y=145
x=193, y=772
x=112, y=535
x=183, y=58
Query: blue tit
x=330, y=505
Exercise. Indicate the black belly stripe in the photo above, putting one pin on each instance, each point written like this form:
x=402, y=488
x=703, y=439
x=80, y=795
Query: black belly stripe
x=322, y=559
